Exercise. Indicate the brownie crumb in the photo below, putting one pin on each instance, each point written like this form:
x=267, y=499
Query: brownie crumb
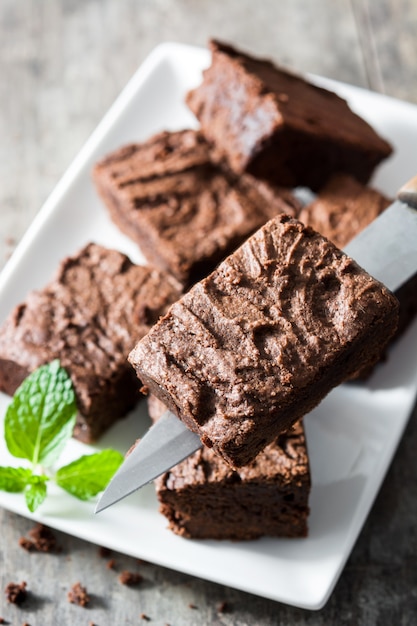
x=145, y=617
x=42, y=539
x=15, y=593
x=111, y=564
x=223, y=607
x=130, y=578
x=27, y=544
x=104, y=552
x=78, y=595
x=3, y=621
x=192, y=606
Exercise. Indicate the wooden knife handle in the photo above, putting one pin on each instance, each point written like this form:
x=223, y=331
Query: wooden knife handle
x=408, y=193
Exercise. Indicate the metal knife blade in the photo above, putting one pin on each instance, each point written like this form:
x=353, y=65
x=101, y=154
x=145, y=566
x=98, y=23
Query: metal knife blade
x=386, y=249
x=167, y=443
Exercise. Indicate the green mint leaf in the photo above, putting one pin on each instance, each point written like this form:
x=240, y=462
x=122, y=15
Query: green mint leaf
x=35, y=493
x=90, y=474
x=14, y=479
x=41, y=416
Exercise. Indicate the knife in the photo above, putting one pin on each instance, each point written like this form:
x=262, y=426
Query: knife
x=386, y=249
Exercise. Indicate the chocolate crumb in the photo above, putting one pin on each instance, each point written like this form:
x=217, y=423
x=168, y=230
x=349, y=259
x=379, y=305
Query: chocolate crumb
x=130, y=578
x=27, y=544
x=192, y=606
x=223, y=607
x=15, y=593
x=78, y=595
x=111, y=564
x=3, y=621
x=104, y=552
x=42, y=540
x=145, y=617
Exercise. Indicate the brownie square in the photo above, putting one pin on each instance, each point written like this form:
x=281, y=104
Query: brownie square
x=95, y=308
x=204, y=498
x=262, y=119
x=341, y=210
x=253, y=347
x=184, y=212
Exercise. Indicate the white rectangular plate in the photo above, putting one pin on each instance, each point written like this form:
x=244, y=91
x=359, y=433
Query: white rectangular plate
x=352, y=435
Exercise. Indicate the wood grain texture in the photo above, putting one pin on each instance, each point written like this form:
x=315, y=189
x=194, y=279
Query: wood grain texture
x=387, y=31
x=62, y=63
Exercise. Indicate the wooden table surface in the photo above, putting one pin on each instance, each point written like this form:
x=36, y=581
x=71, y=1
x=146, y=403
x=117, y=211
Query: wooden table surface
x=62, y=63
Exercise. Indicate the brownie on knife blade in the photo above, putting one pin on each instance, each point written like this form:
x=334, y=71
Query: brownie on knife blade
x=184, y=212
x=257, y=344
x=204, y=498
x=89, y=316
x=342, y=209
x=264, y=120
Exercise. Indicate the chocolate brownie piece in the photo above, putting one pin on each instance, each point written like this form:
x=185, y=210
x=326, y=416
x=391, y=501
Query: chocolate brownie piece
x=184, y=212
x=96, y=307
x=253, y=347
x=204, y=498
x=342, y=209
x=264, y=120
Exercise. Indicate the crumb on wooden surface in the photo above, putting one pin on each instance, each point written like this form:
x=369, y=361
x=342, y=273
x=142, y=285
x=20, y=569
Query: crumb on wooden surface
x=42, y=539
x=223, y=607
x=104, y=552
x=131, y=579
x=78, y=595
x=16, y=593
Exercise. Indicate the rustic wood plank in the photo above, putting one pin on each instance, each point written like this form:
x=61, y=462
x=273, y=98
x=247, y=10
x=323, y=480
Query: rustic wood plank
x=62, y=63
x=387, y=31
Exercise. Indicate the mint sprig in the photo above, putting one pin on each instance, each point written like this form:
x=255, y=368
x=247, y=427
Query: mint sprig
x=35, y=491
x=14, y=479
x=38, y=423
x=41, y=417
x=89, y=474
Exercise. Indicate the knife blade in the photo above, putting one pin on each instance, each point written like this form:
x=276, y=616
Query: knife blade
x=376, y=247
x=167, y=443
x=386, y=249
